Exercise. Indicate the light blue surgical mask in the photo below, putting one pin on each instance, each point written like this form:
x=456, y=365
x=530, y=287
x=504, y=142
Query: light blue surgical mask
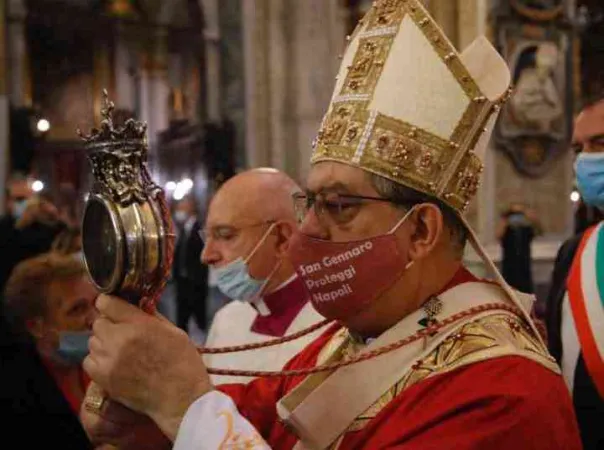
x=180, y=217
x=19, y=208
x=73, y=347
x=234, y=279
x=589, y=170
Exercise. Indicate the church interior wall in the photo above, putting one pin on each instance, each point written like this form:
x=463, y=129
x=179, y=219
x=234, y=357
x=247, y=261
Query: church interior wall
x=268, y=67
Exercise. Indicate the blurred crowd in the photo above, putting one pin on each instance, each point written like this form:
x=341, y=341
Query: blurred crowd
x=47, y=301
x=35, y=223
x=46, y=312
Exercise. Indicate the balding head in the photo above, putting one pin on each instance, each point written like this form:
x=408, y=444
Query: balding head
x=253, y=209
x=257, y=194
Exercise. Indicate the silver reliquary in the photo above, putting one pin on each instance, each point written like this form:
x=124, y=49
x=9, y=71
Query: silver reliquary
x=126, y=230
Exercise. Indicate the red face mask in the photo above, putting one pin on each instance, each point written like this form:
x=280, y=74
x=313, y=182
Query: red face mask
x=344, y=278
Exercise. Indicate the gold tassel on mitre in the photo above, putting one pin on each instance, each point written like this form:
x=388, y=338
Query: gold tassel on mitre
x=408, y=107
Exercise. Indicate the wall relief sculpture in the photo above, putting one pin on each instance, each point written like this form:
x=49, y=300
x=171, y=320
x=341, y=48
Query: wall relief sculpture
x=535, y=126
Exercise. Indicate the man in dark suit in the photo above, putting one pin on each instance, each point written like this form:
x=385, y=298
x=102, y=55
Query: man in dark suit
x=517, y=228
x=569, y=330
x=190, y=276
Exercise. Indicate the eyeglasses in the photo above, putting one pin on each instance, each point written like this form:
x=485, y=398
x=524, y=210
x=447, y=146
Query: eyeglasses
x=339, y=208
x=225, y=233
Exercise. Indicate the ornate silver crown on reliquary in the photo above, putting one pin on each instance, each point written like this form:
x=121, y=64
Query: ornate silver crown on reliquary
x=126, y=229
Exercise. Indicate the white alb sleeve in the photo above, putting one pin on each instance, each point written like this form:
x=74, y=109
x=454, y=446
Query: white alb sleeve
x=213, y=422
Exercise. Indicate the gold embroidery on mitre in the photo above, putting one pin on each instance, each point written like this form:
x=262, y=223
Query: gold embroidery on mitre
x=389, y=147
x=497, y=335
x=385, y=13
x=366, y=67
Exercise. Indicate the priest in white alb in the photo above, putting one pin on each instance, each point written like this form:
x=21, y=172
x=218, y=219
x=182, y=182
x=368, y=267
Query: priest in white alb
x=246, y=243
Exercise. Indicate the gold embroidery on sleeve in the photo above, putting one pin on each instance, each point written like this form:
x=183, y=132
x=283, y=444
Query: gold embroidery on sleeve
x=238, y=441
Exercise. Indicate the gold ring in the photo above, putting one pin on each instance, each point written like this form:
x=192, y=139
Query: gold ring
x=94, y=401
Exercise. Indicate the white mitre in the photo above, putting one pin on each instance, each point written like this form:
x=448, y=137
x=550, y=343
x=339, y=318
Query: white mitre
x=409, y=107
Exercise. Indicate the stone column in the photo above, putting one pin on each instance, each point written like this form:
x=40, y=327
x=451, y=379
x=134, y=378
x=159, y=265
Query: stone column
x=232, y=83
x=291, y=50
x=4, y=114
x=212, y=56
x=257, y=136
x=192, y=88
x=143, y=107
x=281, y=102
x=160, y=90
x=125, y=87
x=154, y=92
x=103, y=77
x=18, y=73
x=318, y=41
x=175, y=84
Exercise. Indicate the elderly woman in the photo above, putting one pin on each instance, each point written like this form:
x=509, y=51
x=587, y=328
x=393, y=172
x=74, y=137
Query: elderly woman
x=53, y=297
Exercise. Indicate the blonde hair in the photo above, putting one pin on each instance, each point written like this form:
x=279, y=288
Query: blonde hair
x=27, y=289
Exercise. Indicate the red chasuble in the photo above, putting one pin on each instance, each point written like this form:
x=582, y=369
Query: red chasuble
x=506, y=402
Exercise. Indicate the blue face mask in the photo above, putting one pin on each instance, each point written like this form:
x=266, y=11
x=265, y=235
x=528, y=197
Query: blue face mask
x=589, y=169
x=180, y=217
x=73, y=347
x=234, y=279
x=19, y=208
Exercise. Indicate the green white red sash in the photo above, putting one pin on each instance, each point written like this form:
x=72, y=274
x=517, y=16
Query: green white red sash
x=585, y=287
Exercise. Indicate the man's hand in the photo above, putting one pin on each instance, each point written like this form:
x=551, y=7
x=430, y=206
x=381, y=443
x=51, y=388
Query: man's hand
x=116, y=426
x=38, y=210
x=145, y=363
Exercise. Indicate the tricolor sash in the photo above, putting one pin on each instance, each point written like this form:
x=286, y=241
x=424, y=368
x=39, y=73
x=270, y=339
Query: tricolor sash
x=585, y=286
